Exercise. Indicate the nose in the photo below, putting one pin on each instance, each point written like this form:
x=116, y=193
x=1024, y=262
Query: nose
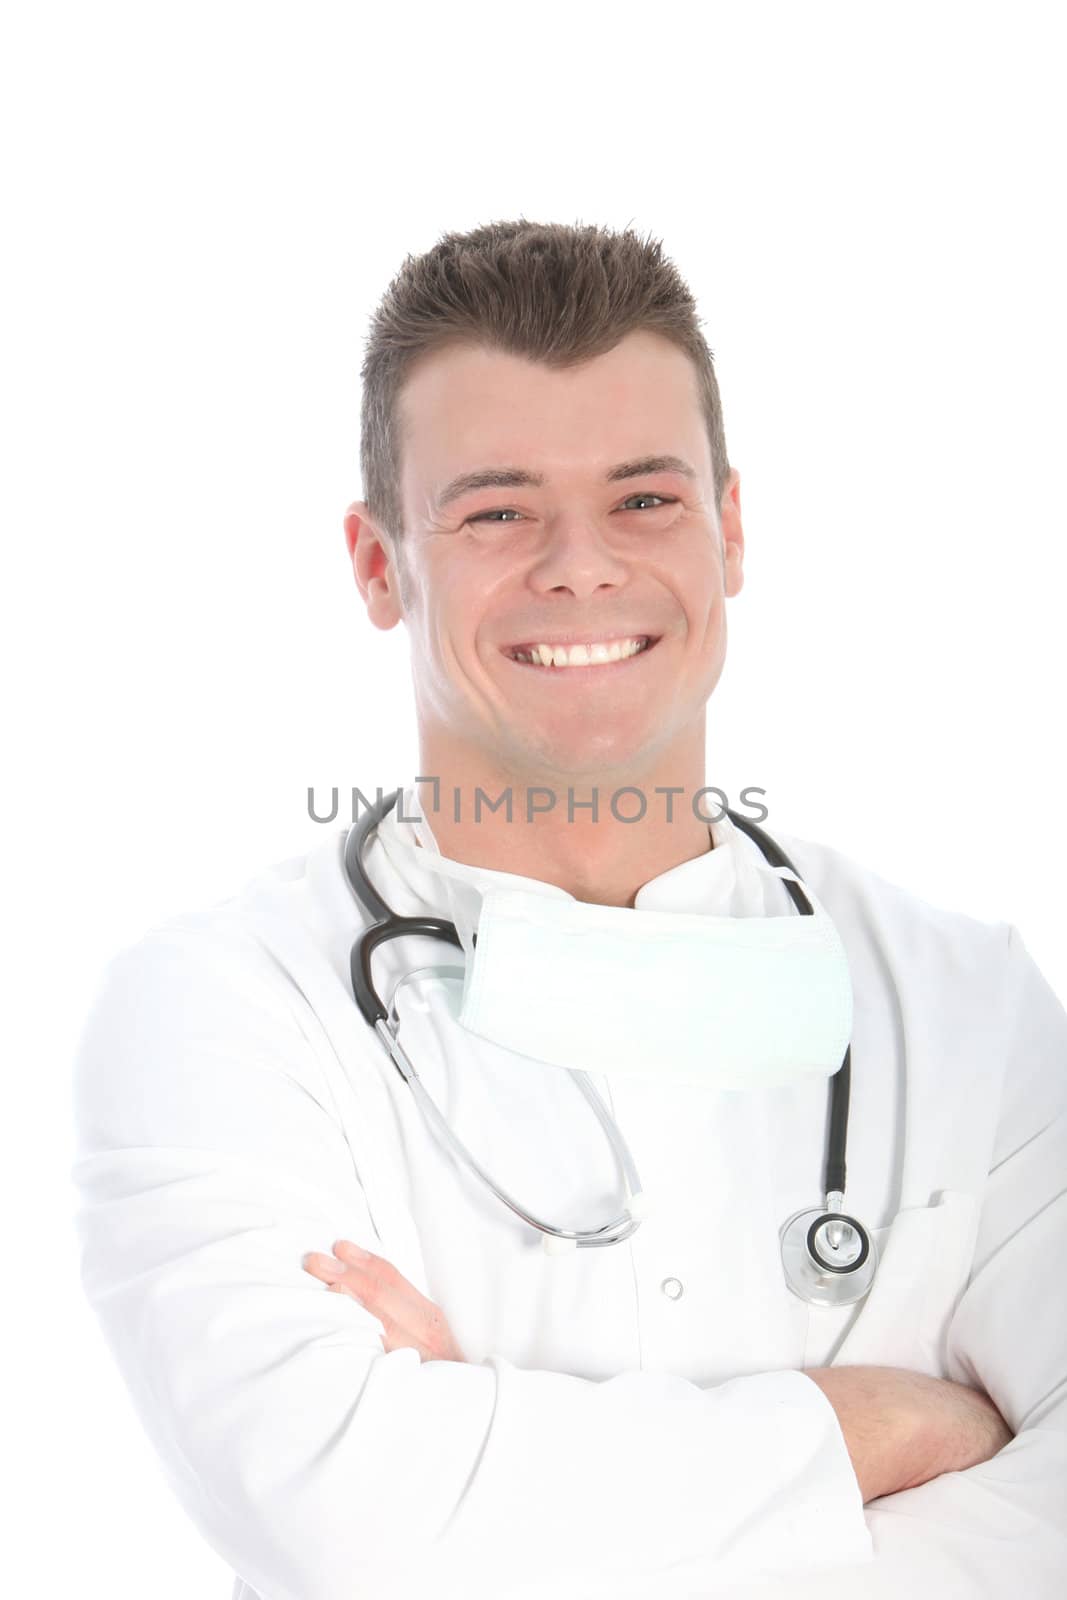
x=577, y=556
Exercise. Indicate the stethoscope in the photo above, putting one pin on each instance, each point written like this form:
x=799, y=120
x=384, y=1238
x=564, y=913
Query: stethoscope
x=828, y=1257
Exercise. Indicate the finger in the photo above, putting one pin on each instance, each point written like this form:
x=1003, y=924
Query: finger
x=325, y=1267
x=348, y=1280
x=393, y=1336
x=411, y=1320
x=384, y=1289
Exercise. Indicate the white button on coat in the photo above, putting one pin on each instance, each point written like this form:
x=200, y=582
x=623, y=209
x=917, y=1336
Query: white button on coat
x=607, y=1434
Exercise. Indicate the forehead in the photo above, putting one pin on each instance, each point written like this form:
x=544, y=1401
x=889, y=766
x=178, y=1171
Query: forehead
x=467, y=408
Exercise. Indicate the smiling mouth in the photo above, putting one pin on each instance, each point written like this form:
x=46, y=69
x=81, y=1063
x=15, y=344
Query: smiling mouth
x=583, y=657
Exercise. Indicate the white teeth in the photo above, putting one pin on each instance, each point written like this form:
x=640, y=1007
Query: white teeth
x=581, y=655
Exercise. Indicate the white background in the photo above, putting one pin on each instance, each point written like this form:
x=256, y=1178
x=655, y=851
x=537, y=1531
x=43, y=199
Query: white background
x=206, y=202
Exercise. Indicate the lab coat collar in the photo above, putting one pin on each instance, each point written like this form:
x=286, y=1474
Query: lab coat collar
x=723, y=880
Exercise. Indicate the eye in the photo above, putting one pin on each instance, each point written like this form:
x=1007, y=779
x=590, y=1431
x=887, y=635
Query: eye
x=665, y=499
x=485, y=516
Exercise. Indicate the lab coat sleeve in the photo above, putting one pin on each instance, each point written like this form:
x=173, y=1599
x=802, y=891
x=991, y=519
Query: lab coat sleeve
x=209, y=1160
x=998, y=1528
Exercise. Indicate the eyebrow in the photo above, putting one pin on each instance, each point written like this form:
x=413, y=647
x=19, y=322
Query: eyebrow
x=517, y=477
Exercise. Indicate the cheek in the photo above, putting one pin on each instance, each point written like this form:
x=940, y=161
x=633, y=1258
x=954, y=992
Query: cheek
x=700, y=591
x=449, y=651
x=470, y=599
x=705, y=616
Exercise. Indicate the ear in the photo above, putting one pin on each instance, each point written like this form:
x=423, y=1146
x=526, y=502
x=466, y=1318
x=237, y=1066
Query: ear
x=373, y=562
x=733, y=538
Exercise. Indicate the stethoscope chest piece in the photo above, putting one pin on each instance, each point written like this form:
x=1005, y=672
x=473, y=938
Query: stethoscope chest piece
x=829, y=1258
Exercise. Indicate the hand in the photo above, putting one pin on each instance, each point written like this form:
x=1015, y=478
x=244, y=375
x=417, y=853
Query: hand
x=411, y=1322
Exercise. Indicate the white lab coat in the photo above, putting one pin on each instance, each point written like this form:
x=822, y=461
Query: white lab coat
x=630, y=1420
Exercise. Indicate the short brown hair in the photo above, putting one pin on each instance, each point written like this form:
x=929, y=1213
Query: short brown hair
x=553, y=293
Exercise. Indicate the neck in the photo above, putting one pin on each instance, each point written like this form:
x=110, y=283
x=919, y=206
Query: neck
x=563, y=828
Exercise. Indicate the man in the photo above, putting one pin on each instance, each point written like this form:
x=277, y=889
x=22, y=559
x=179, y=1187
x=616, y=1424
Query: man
x=545, y=467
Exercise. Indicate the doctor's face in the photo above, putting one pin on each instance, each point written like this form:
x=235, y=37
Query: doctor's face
x=547, y=508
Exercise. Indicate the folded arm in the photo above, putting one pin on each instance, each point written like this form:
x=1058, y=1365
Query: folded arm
x=998, y=1528
x=320, y=1466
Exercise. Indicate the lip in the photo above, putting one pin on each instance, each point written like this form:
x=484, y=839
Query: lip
x=581, y=638
x=594, y=668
